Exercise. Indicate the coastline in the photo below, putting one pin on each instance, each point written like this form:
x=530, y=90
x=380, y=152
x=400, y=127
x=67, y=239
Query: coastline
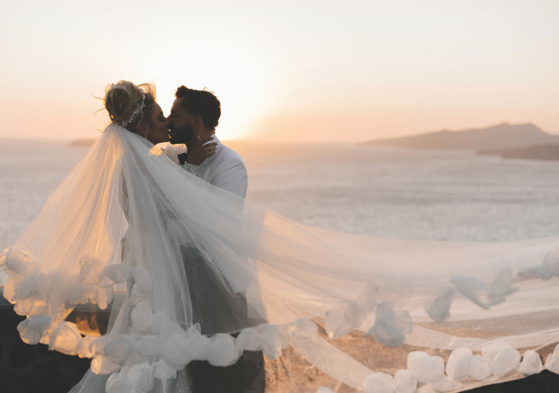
x=547, y=152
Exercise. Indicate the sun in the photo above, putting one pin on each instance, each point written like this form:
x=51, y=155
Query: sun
x=242, y=87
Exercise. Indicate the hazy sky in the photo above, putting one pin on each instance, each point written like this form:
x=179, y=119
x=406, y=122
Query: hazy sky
x=293, y=70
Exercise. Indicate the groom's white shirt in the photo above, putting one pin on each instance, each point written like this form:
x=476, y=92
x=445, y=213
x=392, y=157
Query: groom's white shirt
x=225, y=169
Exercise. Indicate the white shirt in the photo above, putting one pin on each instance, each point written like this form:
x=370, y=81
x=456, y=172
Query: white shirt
x=225, y=169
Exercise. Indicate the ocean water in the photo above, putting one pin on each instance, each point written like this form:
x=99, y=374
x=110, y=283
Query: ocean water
x=380, y=192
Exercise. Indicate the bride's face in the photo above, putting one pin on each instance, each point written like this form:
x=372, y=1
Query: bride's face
x=156, y=130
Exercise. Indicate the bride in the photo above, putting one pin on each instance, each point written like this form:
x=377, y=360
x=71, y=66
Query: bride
x=203, y=278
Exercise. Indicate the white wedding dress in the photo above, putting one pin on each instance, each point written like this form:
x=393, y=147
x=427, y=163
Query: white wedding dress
x=442, y=315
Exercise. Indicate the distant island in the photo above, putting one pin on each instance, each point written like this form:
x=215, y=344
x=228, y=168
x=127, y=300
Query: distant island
x=496, y=138
x=82, y=142
x=540, y=152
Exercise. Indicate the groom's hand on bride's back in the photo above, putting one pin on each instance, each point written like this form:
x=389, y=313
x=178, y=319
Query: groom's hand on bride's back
x=202, y=149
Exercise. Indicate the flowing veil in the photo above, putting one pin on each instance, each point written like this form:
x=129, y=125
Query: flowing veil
x=372, y=314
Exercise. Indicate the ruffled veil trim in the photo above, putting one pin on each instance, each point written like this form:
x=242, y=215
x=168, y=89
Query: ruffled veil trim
x=194, y=265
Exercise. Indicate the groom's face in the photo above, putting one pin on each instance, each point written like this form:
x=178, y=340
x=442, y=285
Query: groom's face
x=180, y=124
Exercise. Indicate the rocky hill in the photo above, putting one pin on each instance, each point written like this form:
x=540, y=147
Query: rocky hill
x=499, y=137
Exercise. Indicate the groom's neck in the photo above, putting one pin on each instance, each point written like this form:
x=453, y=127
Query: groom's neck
x=204, y=134
x=190, y=143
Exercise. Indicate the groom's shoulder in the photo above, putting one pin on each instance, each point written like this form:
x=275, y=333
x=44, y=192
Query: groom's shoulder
x=229, y=155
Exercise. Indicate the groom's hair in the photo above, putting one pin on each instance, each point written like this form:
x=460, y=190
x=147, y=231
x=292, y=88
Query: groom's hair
x=201, y=102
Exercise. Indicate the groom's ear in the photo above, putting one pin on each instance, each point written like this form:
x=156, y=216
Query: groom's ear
x=198, y=121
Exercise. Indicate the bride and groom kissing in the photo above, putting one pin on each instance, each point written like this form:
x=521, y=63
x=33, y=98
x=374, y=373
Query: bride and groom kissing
x=190, y=129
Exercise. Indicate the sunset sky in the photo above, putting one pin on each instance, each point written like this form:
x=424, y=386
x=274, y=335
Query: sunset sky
x=285, y=70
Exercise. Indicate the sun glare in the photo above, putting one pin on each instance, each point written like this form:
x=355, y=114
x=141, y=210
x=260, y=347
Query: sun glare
x=238, y=80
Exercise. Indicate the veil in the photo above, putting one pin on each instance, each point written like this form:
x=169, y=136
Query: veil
x=180, y=265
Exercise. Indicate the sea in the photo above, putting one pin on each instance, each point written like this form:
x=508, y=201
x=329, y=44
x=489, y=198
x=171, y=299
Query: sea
x=381, y=192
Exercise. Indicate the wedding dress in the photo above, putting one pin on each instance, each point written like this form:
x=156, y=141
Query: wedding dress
x=362, y=314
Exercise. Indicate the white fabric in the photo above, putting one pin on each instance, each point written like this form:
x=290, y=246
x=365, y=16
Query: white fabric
x=191, y=251
x=172, y=151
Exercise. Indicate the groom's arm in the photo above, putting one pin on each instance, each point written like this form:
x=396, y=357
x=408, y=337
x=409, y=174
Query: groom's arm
x=232, y=177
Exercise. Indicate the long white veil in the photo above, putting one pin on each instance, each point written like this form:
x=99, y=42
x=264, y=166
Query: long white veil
x=192, y=264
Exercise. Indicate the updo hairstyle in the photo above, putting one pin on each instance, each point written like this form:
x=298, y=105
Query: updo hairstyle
x=123, y=97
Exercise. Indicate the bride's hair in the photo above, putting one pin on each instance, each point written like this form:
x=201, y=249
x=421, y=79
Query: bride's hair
x=124, y=98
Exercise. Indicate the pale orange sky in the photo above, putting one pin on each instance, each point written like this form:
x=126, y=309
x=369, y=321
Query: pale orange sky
x=290, y=70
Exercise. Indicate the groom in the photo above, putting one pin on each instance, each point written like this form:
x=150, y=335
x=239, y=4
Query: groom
x=194, y=116
x=192, y=122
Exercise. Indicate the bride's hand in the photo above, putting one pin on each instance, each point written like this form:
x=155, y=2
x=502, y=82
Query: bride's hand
x=201, y=150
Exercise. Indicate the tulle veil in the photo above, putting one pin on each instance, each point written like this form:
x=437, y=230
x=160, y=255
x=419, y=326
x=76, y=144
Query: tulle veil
x=372, y=314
